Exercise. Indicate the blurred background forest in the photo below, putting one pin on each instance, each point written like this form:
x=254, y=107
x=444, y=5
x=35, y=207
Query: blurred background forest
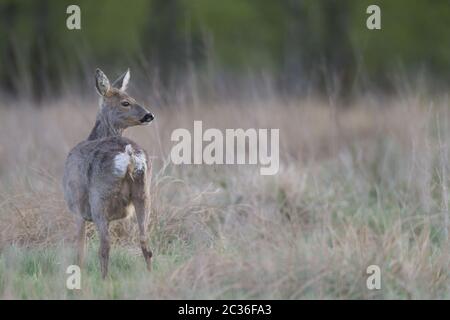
x=213, y=47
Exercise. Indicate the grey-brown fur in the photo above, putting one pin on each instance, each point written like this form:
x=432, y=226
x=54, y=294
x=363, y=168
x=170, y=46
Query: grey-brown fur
x=107, y=176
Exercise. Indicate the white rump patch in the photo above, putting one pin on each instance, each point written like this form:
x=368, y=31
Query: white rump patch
x=122, y=161
x=140, y=162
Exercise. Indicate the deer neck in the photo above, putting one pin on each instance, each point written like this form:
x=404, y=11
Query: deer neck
x=103, y=128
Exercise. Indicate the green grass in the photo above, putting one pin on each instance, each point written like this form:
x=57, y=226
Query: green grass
x=41, y=273
x=263, y=263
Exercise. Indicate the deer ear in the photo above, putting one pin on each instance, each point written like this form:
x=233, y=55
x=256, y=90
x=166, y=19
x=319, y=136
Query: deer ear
x=101, y=83
x=122, y=82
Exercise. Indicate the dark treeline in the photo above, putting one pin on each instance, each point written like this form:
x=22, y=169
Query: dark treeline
x=321, y=45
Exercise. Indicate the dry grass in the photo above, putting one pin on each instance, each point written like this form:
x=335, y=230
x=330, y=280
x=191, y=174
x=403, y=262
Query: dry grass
x=358, y=187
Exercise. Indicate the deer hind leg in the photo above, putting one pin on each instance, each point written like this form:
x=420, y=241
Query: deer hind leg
x=141, y=216
x=141, y=201
x=104, y=247
x=81, y=241
x=102, y=226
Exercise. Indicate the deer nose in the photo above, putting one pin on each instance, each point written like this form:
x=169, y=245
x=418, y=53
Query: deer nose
x=148, y=117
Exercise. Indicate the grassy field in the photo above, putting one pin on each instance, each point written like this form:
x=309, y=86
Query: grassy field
x=361, y=186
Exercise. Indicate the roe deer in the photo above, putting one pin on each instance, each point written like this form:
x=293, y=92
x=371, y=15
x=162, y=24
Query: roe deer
x=107, y=176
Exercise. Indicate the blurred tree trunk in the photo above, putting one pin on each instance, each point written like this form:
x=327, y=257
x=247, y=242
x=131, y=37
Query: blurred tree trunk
x=41, y=48
x=338, y=57
x=163, y=40
x=294, y=73
x=8, y=55
x=319, y=58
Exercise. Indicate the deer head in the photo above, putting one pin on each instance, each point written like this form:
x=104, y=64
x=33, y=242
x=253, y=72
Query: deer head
x=118, y=110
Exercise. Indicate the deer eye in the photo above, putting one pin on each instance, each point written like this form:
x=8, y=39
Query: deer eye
x=125, y=103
